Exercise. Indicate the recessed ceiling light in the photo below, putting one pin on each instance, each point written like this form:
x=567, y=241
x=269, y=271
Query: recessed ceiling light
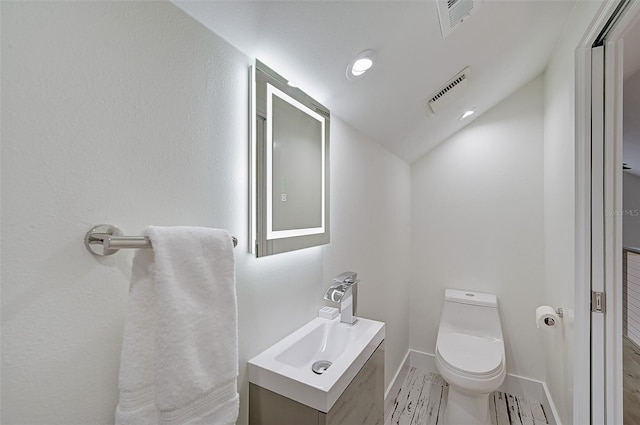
x=292, y=84
x=360, y=64
x=466, y=114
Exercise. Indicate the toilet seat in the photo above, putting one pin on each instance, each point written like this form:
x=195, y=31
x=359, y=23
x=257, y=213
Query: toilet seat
x=470, y=355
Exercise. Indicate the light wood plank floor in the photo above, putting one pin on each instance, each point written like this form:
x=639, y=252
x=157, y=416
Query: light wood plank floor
x=631, y=382
x=423, y=395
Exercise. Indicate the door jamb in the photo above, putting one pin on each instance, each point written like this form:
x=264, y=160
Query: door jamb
x=582, y=294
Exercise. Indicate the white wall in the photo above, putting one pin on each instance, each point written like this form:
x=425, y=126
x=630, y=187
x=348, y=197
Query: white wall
x=559, y=205
x=631, y=108
x=477, y=224
x=631, y=142
x=370, y=233
x=631, y=210
x=131, y=114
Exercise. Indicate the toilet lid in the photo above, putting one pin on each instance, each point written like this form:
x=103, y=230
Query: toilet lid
x=470, y=354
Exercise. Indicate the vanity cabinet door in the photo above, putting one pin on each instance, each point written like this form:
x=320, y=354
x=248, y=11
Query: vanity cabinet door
x=269, y=408
x=361, y=403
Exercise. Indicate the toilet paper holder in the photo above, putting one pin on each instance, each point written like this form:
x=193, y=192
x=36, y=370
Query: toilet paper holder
x=548, y=316
x=549, y=320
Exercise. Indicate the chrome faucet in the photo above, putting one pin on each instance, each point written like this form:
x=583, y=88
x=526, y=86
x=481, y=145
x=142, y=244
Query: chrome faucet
x=345, y=292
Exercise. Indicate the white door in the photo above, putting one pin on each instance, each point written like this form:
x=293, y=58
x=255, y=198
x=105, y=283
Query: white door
x=598, y=374
x=606, y=218
x=597, y=237
x=606, y=235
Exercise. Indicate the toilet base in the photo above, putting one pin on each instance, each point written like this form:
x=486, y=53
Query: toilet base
x=467, y=409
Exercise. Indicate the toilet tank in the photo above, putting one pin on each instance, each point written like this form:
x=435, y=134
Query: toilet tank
x=471, y=298
x=471, y=312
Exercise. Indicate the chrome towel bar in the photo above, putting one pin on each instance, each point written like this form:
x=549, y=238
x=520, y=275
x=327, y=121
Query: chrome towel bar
x=106, y=239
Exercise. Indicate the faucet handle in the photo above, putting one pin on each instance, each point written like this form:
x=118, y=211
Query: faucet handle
x=335, y=293
x=347, y=278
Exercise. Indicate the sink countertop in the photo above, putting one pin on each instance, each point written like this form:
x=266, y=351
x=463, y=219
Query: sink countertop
x=296, y=380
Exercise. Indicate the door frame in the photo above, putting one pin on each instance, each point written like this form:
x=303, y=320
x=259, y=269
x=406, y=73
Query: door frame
x=598, y=396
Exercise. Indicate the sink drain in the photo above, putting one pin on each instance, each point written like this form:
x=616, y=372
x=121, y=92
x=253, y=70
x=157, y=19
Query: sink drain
x=320, y=366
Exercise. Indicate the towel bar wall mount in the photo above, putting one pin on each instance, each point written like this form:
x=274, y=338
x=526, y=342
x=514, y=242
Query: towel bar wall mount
x=106, y=239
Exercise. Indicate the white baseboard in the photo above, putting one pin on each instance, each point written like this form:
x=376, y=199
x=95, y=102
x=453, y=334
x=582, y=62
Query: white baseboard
x=394, y=387
x=423, y=361
x=549, y=406
x=520, y=386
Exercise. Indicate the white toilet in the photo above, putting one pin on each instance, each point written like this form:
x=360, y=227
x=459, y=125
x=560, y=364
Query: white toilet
x=470, y=355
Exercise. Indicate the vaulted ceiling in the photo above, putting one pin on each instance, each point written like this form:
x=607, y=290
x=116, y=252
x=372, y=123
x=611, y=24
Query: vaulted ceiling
x=505, y=44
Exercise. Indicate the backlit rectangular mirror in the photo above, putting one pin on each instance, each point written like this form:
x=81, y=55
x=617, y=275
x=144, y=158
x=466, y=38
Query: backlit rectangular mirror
x=289, y=166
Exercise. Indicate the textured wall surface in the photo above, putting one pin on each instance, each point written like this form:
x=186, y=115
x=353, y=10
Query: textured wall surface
x=477, y=225
x=132, y=113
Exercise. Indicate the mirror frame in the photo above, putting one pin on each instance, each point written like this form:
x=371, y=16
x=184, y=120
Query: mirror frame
x=263, y=240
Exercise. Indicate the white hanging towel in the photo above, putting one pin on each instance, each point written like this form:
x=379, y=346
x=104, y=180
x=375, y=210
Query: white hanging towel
x=179, y=361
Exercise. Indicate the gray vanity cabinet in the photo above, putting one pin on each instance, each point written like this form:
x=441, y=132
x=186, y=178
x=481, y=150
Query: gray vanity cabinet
x=362, y=402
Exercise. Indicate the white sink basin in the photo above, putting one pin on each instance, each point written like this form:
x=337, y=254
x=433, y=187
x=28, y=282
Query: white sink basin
x=285, y=367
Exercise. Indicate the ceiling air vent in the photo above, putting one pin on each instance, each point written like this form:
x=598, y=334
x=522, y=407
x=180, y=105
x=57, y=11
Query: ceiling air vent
x=453, y=12
x=448, y=94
